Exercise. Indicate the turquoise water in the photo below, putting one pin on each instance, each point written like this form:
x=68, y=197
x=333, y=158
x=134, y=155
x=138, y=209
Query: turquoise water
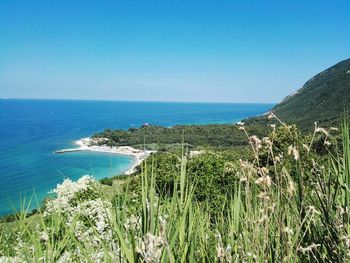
x=31, y=130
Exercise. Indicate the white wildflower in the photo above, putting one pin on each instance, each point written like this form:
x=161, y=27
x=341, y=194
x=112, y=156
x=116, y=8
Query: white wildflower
x=65, y=194
x=196, y=153
x=98, y=212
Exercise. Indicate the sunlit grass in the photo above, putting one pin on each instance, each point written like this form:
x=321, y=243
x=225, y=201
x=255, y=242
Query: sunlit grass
x=288, y=205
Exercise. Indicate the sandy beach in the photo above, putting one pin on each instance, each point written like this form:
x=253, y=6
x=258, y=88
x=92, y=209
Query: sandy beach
x=89, y=144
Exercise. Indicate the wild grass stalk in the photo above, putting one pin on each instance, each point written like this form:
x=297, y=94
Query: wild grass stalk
x=287, y=205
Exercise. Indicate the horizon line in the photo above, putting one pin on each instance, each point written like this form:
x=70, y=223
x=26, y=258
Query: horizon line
x=150, y=101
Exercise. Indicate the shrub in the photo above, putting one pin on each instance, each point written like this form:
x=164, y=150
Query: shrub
x=107, y=181
x=285, y=203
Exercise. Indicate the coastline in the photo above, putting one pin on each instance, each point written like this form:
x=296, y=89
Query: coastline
x=89, y=144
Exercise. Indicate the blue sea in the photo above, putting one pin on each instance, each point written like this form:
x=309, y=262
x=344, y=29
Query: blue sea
x=31, y=130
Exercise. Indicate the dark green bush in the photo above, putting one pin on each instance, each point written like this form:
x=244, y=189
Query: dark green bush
x=107, y=181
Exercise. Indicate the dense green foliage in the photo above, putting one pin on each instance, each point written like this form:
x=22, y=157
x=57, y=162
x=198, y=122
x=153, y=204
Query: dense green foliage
x=107, y=181
x=164, y=138
x=287, y=199
x=323, y=99
x=211, y=173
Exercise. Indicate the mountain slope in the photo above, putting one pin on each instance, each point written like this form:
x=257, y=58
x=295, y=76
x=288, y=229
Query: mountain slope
x=323, y=99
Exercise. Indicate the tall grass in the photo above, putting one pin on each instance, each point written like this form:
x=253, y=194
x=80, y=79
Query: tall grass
x=289, y=206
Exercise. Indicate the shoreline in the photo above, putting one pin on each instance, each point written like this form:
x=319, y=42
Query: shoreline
x=88, y=144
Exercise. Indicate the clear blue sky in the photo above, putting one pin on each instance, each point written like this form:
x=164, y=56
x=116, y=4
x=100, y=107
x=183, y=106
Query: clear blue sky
x=221, y=51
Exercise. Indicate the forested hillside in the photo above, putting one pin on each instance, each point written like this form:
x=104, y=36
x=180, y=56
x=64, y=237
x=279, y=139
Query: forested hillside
x=323, y=98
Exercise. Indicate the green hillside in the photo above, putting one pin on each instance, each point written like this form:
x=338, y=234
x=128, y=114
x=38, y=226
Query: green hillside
x=323, y=99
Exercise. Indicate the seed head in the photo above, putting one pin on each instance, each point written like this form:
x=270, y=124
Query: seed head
x=288, y=230
x=321, y=130
x=327, y=143
x=264, y=181
x=293, y=151
x=264, y=196
x=291, y=188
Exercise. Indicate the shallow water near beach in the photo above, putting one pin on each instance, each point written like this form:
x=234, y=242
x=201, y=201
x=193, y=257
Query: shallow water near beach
x=31, y=130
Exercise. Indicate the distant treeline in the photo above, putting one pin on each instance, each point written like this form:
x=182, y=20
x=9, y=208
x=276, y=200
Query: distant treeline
x=213, y=135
